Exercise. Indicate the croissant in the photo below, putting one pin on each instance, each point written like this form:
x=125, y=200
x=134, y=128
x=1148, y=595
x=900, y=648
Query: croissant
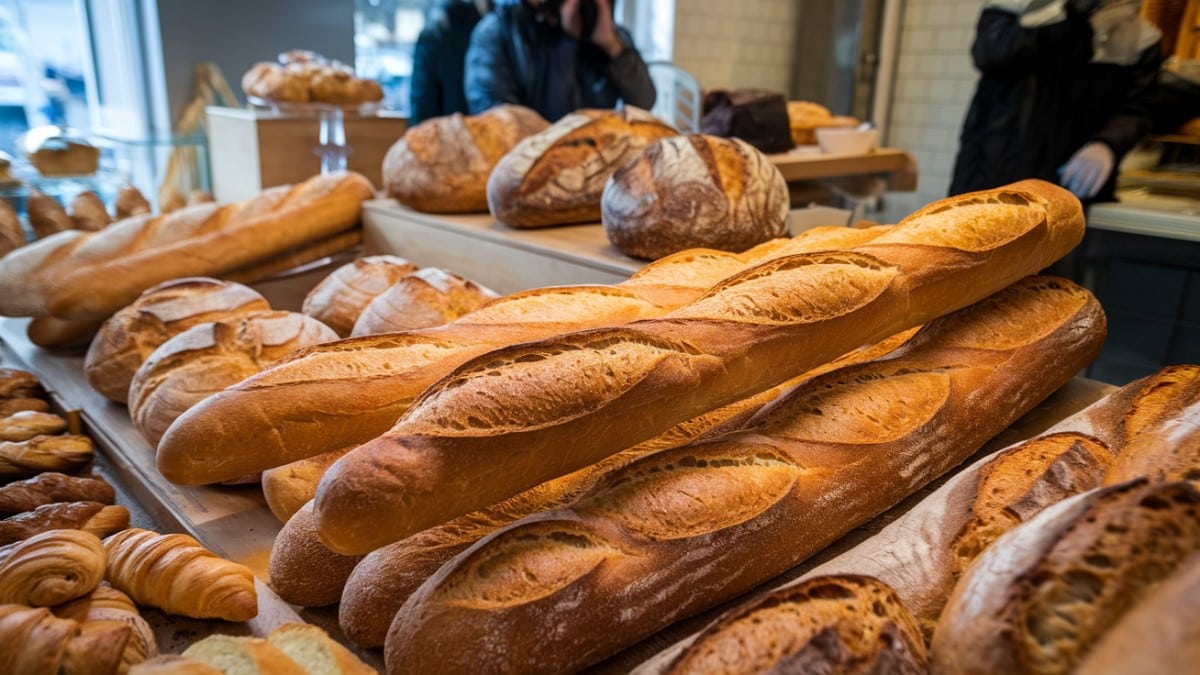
x=43, y=453
x=51, y=487
x=93, y=517
x=108, y=604
x=51, y=568
x=26, y=424
x=179, y=576
x=34, y=641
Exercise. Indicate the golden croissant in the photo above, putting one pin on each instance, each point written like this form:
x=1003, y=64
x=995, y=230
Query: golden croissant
x=108, y=604
x=51, y=568
x=32, y=640
x=179, y=576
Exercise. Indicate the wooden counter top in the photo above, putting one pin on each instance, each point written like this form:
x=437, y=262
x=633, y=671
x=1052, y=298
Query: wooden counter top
x=807, y=162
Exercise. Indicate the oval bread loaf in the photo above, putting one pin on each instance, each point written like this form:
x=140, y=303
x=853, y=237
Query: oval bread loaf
x=128, y=338
x=556, y=177
x=694, y=191
x=209, y=357
x=424, y=299
x=340, y=297
x=442, y=164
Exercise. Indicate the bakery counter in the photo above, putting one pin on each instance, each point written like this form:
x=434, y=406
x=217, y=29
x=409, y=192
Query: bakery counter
x=491, y=253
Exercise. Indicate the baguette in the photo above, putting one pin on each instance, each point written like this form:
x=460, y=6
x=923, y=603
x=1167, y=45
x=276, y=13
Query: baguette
x=291, y=486
x=351, y=391
x=687, y=528
x=48, y=332
x=137, y=253
x=740, y=338
x=304, y=572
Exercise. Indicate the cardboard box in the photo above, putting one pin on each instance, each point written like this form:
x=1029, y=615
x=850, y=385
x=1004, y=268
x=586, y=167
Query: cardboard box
x=254, y=149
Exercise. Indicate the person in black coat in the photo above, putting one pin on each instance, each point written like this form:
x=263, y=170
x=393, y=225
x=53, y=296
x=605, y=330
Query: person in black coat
x=438, y=59
x=535, y=53
x=1062, y=94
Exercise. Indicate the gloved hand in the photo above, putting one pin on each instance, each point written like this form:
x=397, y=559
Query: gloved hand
x=1087, y=170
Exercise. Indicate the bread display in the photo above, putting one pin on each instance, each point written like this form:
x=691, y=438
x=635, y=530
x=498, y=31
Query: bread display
x=608, y=570
x=841, y=624
x=91, y=517
x=88, y=212
x=24, y=425
x=23, y=459
x=423, y=299
x=1047, y=591
x=738, y=339
x=12, y=235
x=340, y=297
x=51, y=568
x=208, y=357
x=556, y=177
x=174, y=573
x=694, y=191
x=106, y=603
x=46, y=215
x=128, y=338
x=33, y=640
x=291, y=486
x=130, y=202
x=308, y=78
x=57, y=276
x=51, y=487
x=442, y=164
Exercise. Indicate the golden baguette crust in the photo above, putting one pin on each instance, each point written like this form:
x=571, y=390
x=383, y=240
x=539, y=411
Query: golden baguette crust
x=1166, y=446
x=289, y=487
x=684, y=529
x=509, y=413
x=1047, y=591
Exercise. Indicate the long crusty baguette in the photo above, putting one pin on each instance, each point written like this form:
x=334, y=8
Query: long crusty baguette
x=686, y=528
x=349, y=392
x=59, y=276
x=386, y=577
x=519, y=416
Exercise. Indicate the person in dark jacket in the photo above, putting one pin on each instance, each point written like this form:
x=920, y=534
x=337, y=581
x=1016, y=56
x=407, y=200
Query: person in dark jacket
x=1062, y=94
x=535, y=53
x=439, y=57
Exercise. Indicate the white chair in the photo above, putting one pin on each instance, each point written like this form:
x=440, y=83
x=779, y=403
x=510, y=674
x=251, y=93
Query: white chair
x=678, y=96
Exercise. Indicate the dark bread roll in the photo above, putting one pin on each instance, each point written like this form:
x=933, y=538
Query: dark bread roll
x=442, y=164
x=343, y=295
x=695, y=191
x=556, y=177
x=162, y=312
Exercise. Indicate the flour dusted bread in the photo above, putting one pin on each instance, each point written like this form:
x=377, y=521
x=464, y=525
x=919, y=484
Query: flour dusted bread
x=340, y=297
x=426, y=298
x=208, y=357
x=128, y=338
x=442, y=164
x=843, y=624
x=556, y=177
x=694, y=191
x=739, y=338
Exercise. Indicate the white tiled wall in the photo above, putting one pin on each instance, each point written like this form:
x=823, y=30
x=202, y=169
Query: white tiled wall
x=934, y=84
x=747, y=43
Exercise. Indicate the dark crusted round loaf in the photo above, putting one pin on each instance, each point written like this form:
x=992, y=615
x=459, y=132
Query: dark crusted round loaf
x=694, y=191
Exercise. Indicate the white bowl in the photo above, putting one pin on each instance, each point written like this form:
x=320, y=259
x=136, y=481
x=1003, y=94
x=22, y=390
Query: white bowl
x=846, y=140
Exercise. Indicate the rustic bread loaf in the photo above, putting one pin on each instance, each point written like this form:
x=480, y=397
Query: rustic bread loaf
x=12, y=235
x=88, y=212
x=208, y=357
x=351, y=391
x=424, y=299
x=1169, y=451
x=128, y=338
x=687, y=528
x=340, y=297
x=1040, y=597
x=46, y=216
x=738, y=339
x=556, y=176
x=694, y=191
x=442, y=164
x=291, y=486
x=836, y=624
x=59, y=277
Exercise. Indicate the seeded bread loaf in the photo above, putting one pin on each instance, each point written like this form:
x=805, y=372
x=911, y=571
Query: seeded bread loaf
x=442, y=164
x=464, y=445
x=340, y=297
x=556, y=176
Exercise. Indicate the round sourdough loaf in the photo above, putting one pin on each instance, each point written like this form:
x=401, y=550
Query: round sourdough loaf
x=442, y=164
x=695, y=191
x=209, y=357
x=423, y=299
x=162, y=312
x=556, y=177
x=345, y=293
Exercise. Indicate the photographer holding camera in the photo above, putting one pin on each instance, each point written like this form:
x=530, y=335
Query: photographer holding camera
x=555, y=56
